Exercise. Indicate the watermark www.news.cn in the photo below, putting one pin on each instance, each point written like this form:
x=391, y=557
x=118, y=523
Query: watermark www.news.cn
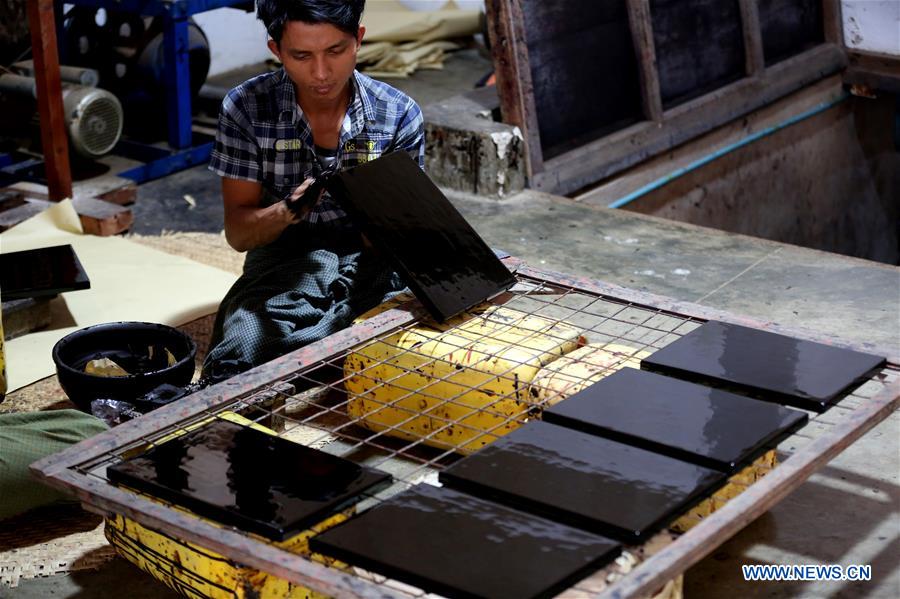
x=806, y=573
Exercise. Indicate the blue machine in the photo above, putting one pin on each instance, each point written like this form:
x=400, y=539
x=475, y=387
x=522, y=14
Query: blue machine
x=183, y=151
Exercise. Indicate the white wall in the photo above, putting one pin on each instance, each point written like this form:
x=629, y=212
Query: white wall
x=872, y=25
x=236, y=39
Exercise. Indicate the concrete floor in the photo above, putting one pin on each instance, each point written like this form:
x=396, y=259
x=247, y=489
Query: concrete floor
x=848, y=513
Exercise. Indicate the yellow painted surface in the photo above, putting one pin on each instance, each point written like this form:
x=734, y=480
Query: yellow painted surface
x=459, y=385
x=736, y=485
x=581, y=368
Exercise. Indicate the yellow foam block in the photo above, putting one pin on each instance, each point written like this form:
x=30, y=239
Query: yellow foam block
x=458, y=385
x=736, y=485
x=579, y=369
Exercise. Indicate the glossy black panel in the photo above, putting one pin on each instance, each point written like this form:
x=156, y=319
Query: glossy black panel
x=709, y=427
x=246, y=478
x=583, y=480
x=438, y=254
x=40, y=273
x=765, y=365
x=459, y=546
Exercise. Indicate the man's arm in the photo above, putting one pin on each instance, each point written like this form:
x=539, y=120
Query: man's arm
x=237, y=159
x=248, y=226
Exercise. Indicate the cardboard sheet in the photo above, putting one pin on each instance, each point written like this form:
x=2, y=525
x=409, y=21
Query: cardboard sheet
x=128, y=282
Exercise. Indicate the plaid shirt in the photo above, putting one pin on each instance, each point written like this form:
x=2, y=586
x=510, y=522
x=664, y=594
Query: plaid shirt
x=263, y=136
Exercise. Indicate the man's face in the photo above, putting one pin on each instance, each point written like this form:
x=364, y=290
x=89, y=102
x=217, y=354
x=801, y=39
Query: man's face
x=318, y=58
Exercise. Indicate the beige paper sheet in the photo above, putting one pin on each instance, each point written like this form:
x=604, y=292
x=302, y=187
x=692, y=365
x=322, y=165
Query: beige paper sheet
x=390, y=21
x=399, y=40
x=128, y=282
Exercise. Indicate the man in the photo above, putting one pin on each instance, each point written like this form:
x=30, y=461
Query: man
x=307, y=273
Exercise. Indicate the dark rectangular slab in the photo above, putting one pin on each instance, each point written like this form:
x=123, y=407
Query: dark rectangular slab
x=686, y=421
x=765, y=365
x=451, y=543
x=439, y=255
x=584, y=480
x=246, y=478
x=41, y=273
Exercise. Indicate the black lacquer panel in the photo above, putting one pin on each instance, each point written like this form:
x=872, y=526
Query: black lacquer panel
x=584, y=480
x=460, y=546
x=246, y=478
x=706, y=426
x=438, y=254
x=41, y=273
x=766, y=365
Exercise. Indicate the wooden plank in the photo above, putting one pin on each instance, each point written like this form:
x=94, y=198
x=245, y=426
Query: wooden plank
x=123, y=196
x=874, y=72
x=724, y=523
x=833, y=22
x=753, y=45
x=506, y=30
x=24, y=316
x=596, y=160
x=102, y=218
x=660, y=167
x=10, y=198
x=97, y=217
x=54, y=140
x=12, y=217
x=642, y=35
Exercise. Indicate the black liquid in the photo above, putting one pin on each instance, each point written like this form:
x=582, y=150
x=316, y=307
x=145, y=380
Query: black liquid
x=583, y=480
x=443, y=260
x=772, y=367
x=460, y=546
x=41, y=273
x=709, y=427
x=246, y=478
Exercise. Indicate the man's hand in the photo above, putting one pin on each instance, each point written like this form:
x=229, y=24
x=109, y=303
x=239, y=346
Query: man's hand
x=249, y=226
x=300, y=206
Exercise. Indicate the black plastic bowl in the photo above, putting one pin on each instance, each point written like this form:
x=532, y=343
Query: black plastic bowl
x=72, y=351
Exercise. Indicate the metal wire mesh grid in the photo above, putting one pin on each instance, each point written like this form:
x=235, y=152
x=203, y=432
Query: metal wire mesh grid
x=411, y=401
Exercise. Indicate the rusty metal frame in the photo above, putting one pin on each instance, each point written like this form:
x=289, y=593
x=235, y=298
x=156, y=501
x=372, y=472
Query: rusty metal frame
x=661, y=129
x=264, y=381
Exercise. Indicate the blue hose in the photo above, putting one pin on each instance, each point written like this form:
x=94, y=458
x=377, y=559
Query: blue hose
x=726, y=150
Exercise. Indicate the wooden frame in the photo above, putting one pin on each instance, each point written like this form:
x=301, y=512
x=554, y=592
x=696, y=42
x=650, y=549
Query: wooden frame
x=262, y=382
x=869, y=72
x=661, y=129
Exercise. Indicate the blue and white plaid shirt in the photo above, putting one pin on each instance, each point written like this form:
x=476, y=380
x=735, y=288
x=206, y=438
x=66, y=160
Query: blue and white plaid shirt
x=263, y=136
